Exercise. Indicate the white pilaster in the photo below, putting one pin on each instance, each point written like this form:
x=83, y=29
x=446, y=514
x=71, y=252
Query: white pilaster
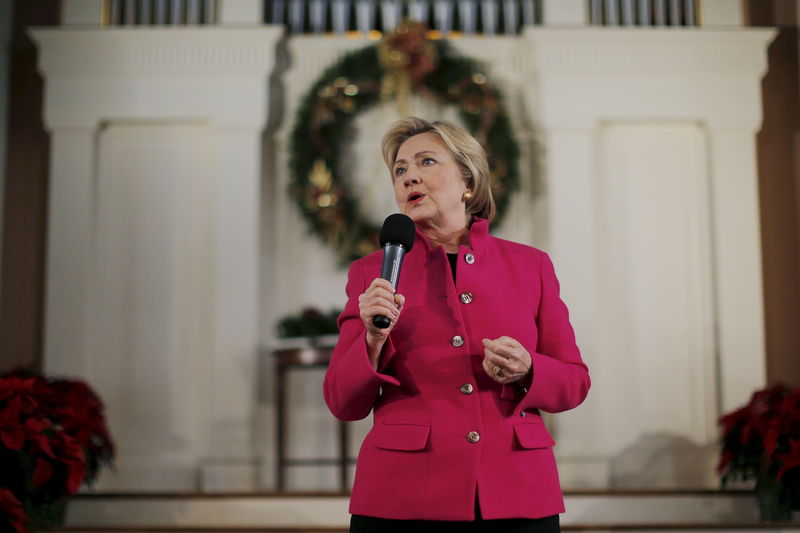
x=170, y=200
x=68, y=328
x=571, y=204
x=739, y=301
x=662, y=85
x=237, y=205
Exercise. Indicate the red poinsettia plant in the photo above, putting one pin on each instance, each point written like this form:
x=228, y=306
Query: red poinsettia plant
x=761, y=442
x=53, y=438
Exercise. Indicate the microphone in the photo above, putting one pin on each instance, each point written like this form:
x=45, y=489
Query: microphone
x=397, y=238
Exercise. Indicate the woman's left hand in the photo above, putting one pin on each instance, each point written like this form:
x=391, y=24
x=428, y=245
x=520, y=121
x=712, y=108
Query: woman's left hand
x=505, y=359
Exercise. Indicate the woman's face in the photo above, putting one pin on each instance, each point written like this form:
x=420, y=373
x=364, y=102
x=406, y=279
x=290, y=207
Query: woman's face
x=428, y=183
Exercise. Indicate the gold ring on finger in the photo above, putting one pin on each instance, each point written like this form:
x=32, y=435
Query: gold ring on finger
x=497, y=371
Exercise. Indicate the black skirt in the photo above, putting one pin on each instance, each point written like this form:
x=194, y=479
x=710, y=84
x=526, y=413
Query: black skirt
x=371, y=524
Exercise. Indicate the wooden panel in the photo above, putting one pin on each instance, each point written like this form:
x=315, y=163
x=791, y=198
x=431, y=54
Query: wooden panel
x=25, y=196
x=779, y=188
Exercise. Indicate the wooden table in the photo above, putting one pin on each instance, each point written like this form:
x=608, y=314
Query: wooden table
x=303, y=359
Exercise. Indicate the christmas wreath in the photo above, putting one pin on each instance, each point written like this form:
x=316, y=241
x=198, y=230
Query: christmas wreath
x=405, y=62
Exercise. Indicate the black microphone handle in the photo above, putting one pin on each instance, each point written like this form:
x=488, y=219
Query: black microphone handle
x=381, y=322
x=390, y=270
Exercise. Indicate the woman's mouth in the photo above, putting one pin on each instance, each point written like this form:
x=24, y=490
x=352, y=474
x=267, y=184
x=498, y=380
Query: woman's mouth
x=415, y=198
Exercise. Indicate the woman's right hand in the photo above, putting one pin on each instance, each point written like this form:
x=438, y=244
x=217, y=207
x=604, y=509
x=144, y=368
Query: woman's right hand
x=379, y=299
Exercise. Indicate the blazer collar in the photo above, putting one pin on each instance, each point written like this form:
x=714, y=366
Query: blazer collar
x=478, y=236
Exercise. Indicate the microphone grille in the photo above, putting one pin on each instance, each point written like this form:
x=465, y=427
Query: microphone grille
x=398, y=228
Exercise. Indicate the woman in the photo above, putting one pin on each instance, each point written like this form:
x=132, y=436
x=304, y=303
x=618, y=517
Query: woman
x=479, y=343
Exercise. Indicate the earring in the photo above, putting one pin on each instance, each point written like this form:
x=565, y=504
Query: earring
x=467, y=195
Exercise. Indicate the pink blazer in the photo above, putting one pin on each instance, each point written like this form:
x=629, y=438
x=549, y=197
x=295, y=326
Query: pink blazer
x=444, y=433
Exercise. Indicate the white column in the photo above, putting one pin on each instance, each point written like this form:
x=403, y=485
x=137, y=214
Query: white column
x=68, y=328
x=739, y=300
x=591, y=82
x=153, y=277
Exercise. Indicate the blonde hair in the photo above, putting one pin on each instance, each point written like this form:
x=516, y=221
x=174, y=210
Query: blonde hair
x=466, y=151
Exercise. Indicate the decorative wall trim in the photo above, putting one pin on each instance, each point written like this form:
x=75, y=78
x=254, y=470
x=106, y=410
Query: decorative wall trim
x=668, y=51
x=141, y=50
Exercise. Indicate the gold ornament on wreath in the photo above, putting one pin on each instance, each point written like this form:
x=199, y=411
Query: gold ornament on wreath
x=406, y=62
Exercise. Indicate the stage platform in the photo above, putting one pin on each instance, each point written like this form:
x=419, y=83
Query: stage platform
x=632, y=511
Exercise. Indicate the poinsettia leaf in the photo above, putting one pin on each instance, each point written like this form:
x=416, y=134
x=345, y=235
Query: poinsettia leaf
x=10, y=414
x=36, y=425
x=13, y=438
x=724, y=461
x=13, y=509
x=43, y=443
x=42, y=472
x=52, y=434
x=75, y=476
x=771, y=442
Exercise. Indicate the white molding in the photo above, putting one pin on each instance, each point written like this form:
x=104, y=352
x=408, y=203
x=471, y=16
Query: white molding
x=209, y=74
x=737, y=261
x=145, y=50
x=639, y=51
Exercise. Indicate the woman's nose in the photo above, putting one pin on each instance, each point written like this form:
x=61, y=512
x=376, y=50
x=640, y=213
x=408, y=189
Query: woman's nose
x=411, y=178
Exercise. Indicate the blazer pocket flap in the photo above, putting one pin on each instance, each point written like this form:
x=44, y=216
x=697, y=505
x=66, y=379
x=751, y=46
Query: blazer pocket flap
x=402, y=437
x=532, y=436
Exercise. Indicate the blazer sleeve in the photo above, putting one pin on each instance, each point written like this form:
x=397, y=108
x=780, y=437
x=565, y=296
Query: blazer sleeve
x=351, y=384
x=560, y=379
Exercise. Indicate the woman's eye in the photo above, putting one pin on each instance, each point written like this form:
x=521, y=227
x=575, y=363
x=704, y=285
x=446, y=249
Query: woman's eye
x=399, y=171
x=428, y=161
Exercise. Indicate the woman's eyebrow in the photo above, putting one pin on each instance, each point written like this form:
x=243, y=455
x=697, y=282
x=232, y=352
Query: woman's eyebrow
x=416, y=156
